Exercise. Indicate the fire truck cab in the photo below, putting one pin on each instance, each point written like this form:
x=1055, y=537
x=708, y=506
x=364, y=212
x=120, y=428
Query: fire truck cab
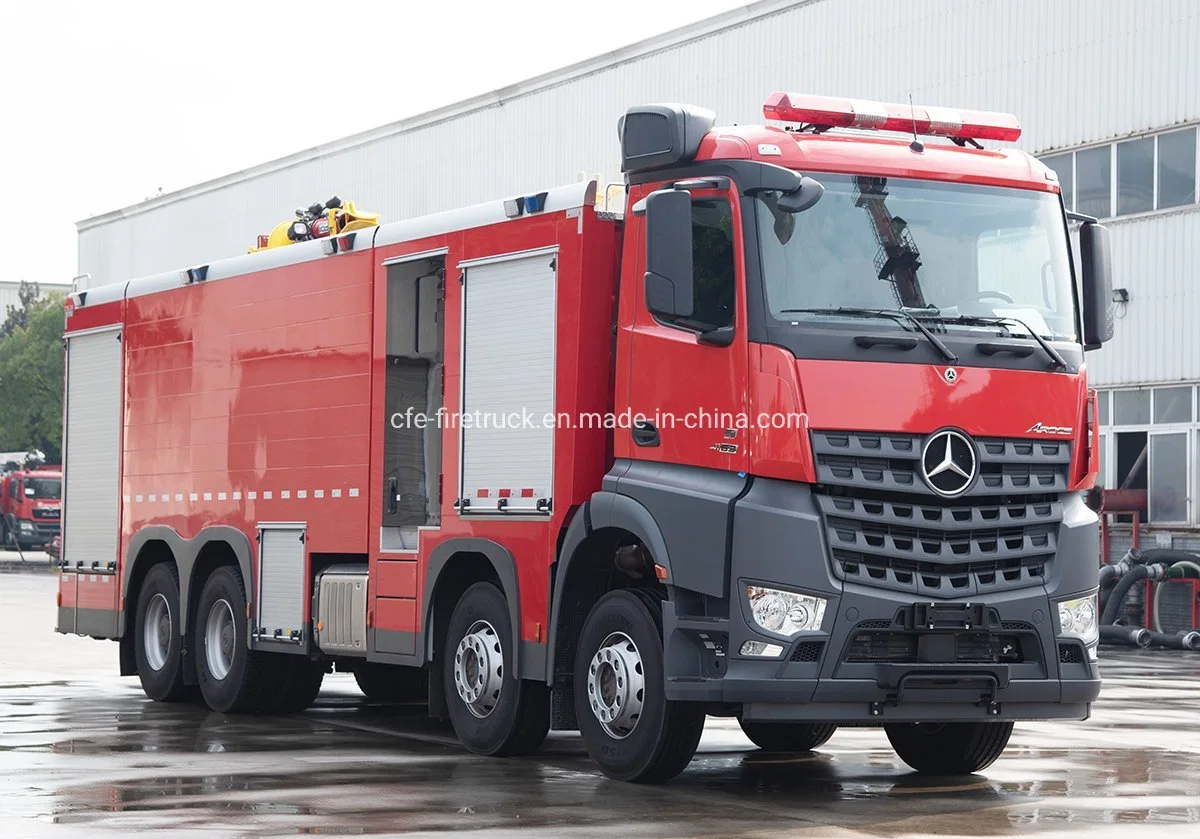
x=797, y=437
x=30, y=505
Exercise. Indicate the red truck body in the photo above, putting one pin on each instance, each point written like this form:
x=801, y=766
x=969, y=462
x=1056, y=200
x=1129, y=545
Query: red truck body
x=30, y=506
x=253, y=419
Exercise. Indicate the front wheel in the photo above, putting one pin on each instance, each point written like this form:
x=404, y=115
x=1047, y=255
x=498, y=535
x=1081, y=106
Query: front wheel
x=787, y=736
x=628, y=726
x=493, y=711
x=952, y=748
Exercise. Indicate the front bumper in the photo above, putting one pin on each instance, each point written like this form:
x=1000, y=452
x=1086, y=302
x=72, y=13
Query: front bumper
x=818, y=678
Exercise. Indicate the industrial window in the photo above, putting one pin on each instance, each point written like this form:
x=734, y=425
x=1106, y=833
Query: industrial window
x=1131, y=407
x=1135, y=176
x=1093, y=175
x=1064, y=166
x=1152, y=445
x=1155, y=172
x=1172, y=404
x=1177, y=168
x=1168, y=478
x=713, y=260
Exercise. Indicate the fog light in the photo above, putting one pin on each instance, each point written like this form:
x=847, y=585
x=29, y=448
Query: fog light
x=1077, y=619
x=785, y=612
x=762, y=649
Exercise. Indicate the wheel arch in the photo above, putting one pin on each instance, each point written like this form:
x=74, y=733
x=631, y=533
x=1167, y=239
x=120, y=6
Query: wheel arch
x=476, y=557
x=586, y=559
x=186, y=554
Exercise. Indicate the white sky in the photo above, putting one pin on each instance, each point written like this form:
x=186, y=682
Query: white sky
x=106, y=102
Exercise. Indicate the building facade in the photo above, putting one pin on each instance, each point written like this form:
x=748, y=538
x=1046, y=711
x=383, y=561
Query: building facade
x=10, y=293
x=1101, y=87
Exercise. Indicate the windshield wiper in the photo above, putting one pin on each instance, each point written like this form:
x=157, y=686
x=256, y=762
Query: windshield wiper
x=893, y=314
x=1056, y=359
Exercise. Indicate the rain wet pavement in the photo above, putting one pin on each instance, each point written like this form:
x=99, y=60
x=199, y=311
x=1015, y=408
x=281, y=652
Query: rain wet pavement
x=83, y=753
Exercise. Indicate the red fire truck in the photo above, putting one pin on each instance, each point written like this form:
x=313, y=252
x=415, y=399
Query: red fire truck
x=798, y=437
x=30, y=504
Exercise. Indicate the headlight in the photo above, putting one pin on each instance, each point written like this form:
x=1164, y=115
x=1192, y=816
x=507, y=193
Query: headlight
x=1077, y=619
x=762, y=649
x=784, y=612
x=25, y=526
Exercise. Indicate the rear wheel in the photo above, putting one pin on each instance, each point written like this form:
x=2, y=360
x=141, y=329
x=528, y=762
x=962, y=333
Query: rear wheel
x=493, y=711
x=389, y=683
x=158, y=645
x=299, y=683
x=952, y=748
x=787, y=736
x=232, y=677
x=629, y=727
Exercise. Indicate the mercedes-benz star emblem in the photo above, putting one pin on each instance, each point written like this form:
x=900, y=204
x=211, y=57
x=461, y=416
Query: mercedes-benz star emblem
x=950, y=375
x=948, y=462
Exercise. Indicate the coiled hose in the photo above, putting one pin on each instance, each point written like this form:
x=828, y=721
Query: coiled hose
x=1134, y=636
x=1112, y=606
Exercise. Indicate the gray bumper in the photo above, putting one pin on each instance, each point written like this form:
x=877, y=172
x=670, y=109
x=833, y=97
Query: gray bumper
x=812, y=679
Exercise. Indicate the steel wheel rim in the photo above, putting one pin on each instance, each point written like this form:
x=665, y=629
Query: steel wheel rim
x=479, y=669
x=156, y=632
x=616, y=685
x=220, y=635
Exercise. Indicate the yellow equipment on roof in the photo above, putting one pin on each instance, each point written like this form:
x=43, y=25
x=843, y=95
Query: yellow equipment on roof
x=317, y=221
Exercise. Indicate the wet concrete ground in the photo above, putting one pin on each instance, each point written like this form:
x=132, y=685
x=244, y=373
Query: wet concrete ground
x=84, y=754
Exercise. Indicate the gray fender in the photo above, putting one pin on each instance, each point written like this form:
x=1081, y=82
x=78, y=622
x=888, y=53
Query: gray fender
x=506, y=569
x=186, y=551
x=604, y=509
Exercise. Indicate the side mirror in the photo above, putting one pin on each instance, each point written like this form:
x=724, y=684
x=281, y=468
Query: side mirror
x=669, y=253
x=1096, y=258
x=798, y=200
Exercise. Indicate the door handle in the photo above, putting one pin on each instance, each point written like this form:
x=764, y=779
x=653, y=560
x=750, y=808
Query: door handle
x=390, y=506
x=644, y=433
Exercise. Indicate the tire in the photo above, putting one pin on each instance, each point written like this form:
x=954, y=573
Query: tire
x=389, y=683
x=953, y=748
x=232, y=677
x=300, y=683
x=157, y=641
x=787, y=736
x=620, y=645
x=495, y=713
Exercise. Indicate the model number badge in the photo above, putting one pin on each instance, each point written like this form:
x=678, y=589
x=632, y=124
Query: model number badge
x=1038, y=428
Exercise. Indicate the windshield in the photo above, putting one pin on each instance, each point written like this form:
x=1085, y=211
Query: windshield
x=43, y=487
x=951, y=250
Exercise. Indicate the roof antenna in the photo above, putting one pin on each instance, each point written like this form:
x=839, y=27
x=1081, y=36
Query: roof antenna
x=916, y=145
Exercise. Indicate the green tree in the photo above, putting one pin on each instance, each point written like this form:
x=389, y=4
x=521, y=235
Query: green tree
x=18, y=316
x=31, y=376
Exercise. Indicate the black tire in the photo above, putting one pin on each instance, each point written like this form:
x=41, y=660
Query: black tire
x=662, y=740
x=299, y=684
x=512, y=720
x=787, y=736
x=252, y=680
x=953, y=748
x=389, y=683
x=164, y=683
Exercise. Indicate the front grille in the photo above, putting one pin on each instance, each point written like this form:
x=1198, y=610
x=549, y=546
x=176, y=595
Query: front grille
x=45, y=513
x=45, y=530
x=808, y=651
x=904, y=648
x=887, y=529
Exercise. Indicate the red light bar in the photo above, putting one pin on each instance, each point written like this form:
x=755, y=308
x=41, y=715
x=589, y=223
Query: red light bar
x=878, y=116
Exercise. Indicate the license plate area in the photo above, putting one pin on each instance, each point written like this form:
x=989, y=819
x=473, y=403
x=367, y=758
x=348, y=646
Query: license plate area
x=932, y=617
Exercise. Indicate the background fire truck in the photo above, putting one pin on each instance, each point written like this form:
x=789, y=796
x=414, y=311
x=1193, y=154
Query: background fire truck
x=259, y=486
x=30, y=506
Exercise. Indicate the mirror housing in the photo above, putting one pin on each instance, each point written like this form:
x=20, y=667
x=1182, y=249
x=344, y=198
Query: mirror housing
x=1095, y=255
x=803, y=197
x=668, y=281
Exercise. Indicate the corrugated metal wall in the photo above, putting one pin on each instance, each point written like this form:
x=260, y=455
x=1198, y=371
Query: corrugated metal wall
x=1075, y=71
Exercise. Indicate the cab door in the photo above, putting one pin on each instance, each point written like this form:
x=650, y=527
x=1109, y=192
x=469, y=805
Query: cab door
x=687, y=397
